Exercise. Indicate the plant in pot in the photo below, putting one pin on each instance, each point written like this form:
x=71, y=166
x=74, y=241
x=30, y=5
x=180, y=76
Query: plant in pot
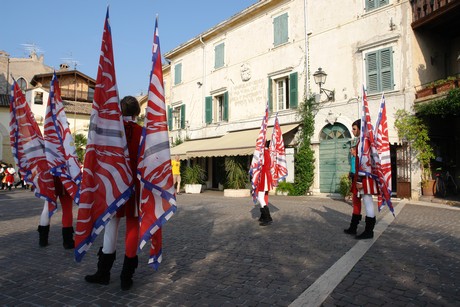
x=345, y=186
x=237, y=179
x=412, y=129
x=193, y=178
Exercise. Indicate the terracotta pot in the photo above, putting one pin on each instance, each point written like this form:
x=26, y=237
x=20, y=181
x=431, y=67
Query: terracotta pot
x=445, y=87
x=427, y=188
x=427, y=91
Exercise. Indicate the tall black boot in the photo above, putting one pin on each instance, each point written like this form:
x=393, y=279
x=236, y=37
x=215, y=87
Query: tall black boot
x=104, y=265
x=67, y=238
x=126, y=276
x=368, y=230
x=262, y=214
x=355, y=218
x=268, y=219
x=43, y=232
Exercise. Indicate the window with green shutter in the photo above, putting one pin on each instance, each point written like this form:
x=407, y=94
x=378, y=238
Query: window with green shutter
x=170, y=118
x=379, y=70
x=293, y=89
x=177, y=73
x=182, y=116
x=374, y=4
x=283, y=92
x=219, y=55
x=280, y=29
x=225, y=115
x=208, y=109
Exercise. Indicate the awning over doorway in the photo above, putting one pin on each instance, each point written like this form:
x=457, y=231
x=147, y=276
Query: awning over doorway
x=235, y=143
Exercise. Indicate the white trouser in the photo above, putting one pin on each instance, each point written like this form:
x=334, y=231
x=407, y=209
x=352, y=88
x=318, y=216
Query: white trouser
x=261, y=198
x=44, y=218
x=111, y=236
x=369, y=204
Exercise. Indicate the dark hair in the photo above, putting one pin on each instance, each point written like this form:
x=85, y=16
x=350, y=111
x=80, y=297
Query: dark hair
x=130, y=106
x=267, y=143
x=357, y=123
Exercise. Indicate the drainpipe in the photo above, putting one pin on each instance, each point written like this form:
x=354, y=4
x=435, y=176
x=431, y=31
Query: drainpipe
x=307, y=79
x=203, y=82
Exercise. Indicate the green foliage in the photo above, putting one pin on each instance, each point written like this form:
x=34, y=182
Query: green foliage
x=193, y=174
x=237, y=177
x=284, y=186
x=413, y=130
x=444, y=107
x=80, y=146
x=178, y=141
x=345, y=185
x=304, y=158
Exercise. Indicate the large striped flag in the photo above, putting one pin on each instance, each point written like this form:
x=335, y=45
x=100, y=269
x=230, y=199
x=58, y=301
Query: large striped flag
x=59, y=145
x=158, y=201
x=383, y=149
x=107, y=181
x=258, y=157
x=367, y=151
x=28, y=148
x=278, y=154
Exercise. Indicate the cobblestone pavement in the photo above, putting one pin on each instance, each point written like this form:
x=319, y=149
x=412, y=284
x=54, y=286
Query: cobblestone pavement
x=216, y=254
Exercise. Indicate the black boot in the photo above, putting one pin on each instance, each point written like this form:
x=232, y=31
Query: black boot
x=355, y=218
x=369, y=230
x=267, y=219
x=262, y=214
x=126, y=276
x=67, y=238
x=43, y=232
x=104, y=265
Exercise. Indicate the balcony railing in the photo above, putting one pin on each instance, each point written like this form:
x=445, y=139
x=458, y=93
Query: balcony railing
x=423, y=8
x=70, y=94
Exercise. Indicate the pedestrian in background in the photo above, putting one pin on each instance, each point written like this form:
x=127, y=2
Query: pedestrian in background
x=175, y=164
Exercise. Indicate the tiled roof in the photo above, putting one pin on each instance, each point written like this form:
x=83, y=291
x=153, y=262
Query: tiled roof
x=78, y=107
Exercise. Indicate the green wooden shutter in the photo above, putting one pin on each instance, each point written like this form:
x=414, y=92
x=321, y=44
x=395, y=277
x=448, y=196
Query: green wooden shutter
x=177, y=73
x=370, y=5
x=182, y=116
x=372, y=72
x=170, y=118
x=219, y=55
x=208, y=109
x=280, y=29
x=386, y=69
x=293, y=91
x=270, y=95
x=225, y=116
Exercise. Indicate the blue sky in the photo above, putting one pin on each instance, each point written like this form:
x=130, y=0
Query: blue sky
x=71, y=31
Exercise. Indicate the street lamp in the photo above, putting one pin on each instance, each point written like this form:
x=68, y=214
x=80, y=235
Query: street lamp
x=320, y=78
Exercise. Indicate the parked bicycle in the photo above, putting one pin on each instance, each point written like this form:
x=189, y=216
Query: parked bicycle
x=444, y=184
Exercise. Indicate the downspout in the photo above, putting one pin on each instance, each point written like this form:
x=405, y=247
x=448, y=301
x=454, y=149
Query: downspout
x=203, y=83
x=307, y=78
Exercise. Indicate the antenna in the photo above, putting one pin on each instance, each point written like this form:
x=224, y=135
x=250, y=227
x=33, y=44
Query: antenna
x=71, y=61
x=32, y=48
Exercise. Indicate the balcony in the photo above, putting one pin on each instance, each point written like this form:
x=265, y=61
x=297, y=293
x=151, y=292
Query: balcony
x=439, y=15
x=436, y=89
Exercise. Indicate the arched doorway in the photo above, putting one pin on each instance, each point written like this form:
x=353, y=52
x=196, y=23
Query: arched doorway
x=334, y=156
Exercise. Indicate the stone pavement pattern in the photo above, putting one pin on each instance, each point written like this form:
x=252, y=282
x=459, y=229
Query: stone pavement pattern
x=216, y=254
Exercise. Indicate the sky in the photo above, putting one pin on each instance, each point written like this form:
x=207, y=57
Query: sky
x=71, y=32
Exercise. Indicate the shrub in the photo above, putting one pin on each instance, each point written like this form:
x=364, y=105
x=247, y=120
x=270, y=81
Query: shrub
x=345, y=185
x=284, y=186
x=193, y=174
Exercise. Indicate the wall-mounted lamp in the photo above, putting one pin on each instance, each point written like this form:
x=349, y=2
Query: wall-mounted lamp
x=320, y=78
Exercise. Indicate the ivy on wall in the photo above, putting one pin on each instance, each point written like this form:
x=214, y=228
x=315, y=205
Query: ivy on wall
x=444, y=107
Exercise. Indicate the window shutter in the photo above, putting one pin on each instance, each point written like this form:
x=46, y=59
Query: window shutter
x=208, y=109
x=219, y=55
x=182, y=116
x=372, y=72
x=293, y=90
x=270, y=95
x=370, y=5
x=386, y=69
x=178, y=73
x=170, y=118
x=225, y=117
x=280, y=29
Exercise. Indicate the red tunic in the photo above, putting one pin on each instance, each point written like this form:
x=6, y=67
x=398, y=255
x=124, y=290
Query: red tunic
x=133, y=137
x=265, y=183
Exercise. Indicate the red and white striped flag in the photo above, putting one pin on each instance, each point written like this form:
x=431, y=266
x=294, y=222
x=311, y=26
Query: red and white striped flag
x=258, y=157
x=107, y=181
x=384, y=163
x=59, y=144
x=367, y=151
x=28, y=148
x=278, y=154
x=158, y=201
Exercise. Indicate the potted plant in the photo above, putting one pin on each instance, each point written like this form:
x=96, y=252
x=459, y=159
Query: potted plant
x=284, y=188
x=345, y=186
x=445, y=85
x=412, y=129
x=425, y=91
x=237, y=179
x=193, y=178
